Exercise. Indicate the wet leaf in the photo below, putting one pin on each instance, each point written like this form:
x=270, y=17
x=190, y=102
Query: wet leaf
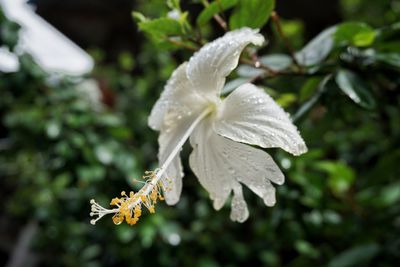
x=251, y=13
x=317, y=49
x=276, y=62
x=356, y=256
x=161, y=28
x=355, y=88
x=355, y=33
x=214, y=8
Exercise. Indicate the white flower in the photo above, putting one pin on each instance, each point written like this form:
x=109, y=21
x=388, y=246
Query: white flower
x=248, y=115
x=190, y=107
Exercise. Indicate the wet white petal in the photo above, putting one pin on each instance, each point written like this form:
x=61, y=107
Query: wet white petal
x=208, y=68
x=221, y=164
x=251, y=116
x=209, y=165
x=168, y=140
x=239, y=210
x=176, y=101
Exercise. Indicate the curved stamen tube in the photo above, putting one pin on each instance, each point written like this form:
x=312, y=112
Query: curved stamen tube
x=149, y=193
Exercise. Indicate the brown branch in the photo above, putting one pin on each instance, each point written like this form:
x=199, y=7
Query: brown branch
x=181, y=44
x=257, y=64
x=221, y=22
x=271, y=73
x=275, y=18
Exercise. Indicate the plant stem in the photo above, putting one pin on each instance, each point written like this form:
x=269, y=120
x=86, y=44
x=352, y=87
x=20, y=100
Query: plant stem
x=182, y=44
x=275, y=18
x=221, y=22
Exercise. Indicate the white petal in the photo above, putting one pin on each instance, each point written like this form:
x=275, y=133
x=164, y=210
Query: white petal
x=208, y=68
x=249, y=115
x=221, y=165
x=239, y=210
x=168, y=140
x=209, y=165
x=176, y=101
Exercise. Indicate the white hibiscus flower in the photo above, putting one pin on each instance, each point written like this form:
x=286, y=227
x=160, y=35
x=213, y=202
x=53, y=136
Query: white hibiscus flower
x=190, y=107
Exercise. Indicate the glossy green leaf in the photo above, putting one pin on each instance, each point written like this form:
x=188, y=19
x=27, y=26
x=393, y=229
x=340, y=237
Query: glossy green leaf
x=286, y=100
x=355, y=33
x=276, y=62
x=251, y=13
x=392, y=59
x=139, y=17
x=232, y=85
x=317, y=49
x=355, y=88
x=161, y=27
x=174, y=4
x=249, y=71
x=214, y=8
x=356, y=256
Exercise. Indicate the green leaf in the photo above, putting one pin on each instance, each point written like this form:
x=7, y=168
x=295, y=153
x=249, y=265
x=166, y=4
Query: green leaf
x=232, y=85
x=139, y=17
x=276, y=62
x=249, y=71
x=214, y=8
x=306, y=248
x=9, y=33
x=307, y=106
x=392, y=59
x=309, y=88
x=161, y=28
x=251, y=13
x=286, y=100
x=356, y=256
x=364, y=38
x=390, y=47
x=390, y=195
x=388, y=33
x=355, y=33
x=317, y=49
x=174, y=4
x=341, y=176
x=355, y=88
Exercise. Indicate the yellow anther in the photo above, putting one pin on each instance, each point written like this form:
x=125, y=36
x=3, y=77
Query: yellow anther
x=154, y=194
x=118, y=218
x=129, y=207
x=151, y=209
x=115, y=201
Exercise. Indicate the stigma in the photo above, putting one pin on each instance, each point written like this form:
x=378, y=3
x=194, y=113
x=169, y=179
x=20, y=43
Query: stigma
x=128, y=207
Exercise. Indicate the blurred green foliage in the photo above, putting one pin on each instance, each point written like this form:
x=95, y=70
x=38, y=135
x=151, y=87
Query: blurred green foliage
x=62, y=145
